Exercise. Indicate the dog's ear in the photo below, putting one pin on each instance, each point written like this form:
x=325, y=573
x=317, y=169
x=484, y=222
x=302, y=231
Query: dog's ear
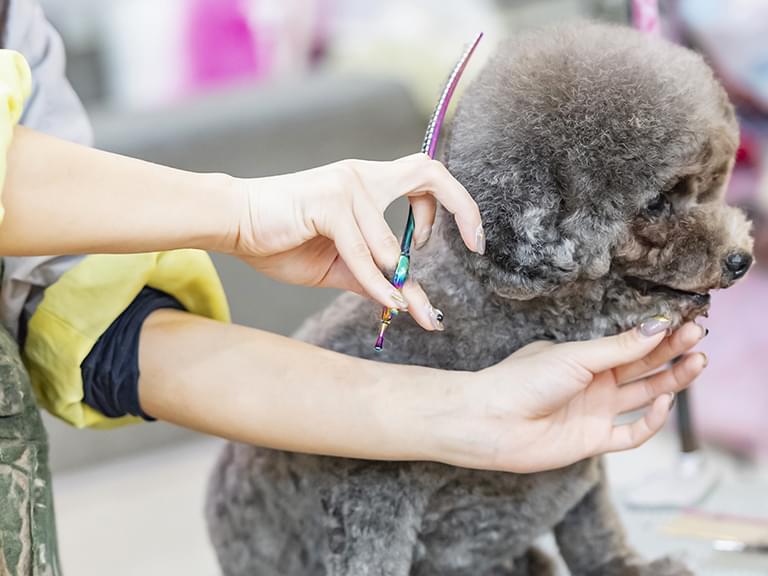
x=539, y=238
x=528, y=253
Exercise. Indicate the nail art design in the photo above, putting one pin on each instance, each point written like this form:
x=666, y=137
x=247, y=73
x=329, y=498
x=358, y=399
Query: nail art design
x=423, y=238
x=436, y=318
x=480, y=240
x=655, y=325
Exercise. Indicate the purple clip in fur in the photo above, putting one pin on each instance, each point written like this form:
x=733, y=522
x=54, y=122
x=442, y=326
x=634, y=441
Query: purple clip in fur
x=428, y=147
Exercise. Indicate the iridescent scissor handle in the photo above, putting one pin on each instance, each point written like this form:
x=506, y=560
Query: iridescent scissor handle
x=428, y=147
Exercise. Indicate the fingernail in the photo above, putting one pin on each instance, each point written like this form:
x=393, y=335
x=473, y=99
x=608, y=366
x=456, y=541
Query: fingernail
x=423, y=238
x=436, y=318
x=706, y=332
x=399, y=300
x=480, y=240
x=654, y=325
x=703, y=331
x=705, y=358
x=672, y=400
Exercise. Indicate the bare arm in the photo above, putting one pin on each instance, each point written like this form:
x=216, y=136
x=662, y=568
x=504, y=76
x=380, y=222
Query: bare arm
x=268, y=390
x=318, y=227
x=545, y=407
x=63, y=198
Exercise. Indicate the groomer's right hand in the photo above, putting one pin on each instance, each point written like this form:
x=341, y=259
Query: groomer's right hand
x=325, y=226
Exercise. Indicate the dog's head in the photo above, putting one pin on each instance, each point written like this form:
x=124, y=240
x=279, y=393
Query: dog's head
x=596, y=152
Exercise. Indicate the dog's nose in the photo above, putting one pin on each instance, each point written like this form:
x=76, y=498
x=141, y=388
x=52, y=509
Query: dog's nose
x=737, y=264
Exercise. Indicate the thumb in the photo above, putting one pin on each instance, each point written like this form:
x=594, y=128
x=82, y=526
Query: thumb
x=612, y=351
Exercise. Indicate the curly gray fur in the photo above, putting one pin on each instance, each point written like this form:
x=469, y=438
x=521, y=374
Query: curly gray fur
x=598, y=158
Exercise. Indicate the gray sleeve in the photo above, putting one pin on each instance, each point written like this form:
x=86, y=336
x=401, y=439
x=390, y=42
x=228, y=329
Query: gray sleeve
x=54, y=108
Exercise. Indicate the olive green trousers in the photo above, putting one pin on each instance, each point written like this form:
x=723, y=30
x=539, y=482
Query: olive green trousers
x=28, y=544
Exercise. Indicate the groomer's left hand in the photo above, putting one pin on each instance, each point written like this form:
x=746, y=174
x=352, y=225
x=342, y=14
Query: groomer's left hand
x=325, y=226
x=550, y=405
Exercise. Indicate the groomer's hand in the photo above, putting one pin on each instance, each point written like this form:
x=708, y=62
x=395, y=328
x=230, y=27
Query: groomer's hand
x=550, y=405
x=325, y=226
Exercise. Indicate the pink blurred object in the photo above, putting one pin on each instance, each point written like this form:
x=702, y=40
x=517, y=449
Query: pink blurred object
x=645, y=16
x=730, y=399
x=220, y=42
x=257, y=40
x=322, y=30
x=748, y=153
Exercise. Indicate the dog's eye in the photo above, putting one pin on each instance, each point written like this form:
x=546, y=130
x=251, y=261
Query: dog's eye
x=657, y=206
x=679, y=188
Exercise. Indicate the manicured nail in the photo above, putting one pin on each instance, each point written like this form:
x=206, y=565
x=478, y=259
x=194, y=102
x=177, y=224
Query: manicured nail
x=480, y=240
x=654, y=325
x=706, y=332
x=435, y=318
x=672, y=401
x=423, y=238
x=399, y=300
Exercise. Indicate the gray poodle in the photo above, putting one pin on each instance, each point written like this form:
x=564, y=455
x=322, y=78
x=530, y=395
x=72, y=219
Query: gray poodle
x=599, y=159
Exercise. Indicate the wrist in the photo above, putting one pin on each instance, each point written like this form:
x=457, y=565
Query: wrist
x=224, y=208
x=422, y=411
x=463, y=420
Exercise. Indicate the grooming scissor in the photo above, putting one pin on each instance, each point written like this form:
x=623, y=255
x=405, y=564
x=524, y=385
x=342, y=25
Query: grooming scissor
x=428, y=147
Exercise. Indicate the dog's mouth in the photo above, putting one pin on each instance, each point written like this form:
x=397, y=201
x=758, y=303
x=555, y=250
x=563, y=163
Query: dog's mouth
x=648, y=287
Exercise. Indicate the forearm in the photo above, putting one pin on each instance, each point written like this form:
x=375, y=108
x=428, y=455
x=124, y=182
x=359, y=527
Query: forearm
x=264, y=389
x=545, y=407
x=63, y=198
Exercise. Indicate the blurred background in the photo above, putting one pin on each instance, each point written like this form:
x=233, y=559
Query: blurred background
x=258, y=87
